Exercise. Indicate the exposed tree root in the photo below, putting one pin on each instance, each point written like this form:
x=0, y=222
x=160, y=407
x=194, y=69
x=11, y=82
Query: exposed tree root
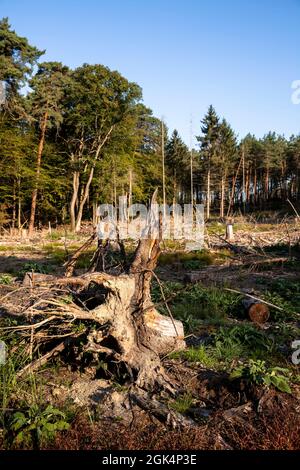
x=122, y=326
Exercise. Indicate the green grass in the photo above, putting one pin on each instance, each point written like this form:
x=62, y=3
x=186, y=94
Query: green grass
x=258, y=373
x=242, y=343
x=197, y=303
x=6, y=279
x=201, y=307
x=182, y=404
x=58, y=234
x=202, y=355
x=284, y=293
x=19, y=248
x=50, y=247
x=41, y=268
x=189, y=261
x=23, y=410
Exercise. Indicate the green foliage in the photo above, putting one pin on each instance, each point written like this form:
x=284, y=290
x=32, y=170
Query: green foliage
x=170, y=288
x=84, y=261
x=57, y=235
x=196, y=304
x=258, y=373
x=37, y=424
x=177, y=164
x=109, y=144
x=205, y=303
x=47, y=91
x=6, y=279
x=284, y=293
x=190, y=261
x=201, y=354
x=229, y=344
x=248, y=336
x=31, y=266
x=182, y=403
x=10, y=386
x=17, y=57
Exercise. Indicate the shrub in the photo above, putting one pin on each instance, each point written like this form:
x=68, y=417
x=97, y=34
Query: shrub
x=258, y=373
x=36, y=425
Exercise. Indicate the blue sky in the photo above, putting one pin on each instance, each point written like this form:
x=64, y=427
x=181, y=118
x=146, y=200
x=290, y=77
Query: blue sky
x=239, y=55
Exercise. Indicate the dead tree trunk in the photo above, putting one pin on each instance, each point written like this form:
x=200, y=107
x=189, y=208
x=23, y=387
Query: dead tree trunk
x=37, y=173
x=133, y=335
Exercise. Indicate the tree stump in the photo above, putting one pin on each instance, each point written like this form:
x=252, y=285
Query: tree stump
x=133, y=334
x=229, y=232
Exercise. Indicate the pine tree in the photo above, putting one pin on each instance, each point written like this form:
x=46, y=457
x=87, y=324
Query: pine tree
x=226, y=152
x=209, y=141
x=45, y=105
x=177, y=162
x=17, y=59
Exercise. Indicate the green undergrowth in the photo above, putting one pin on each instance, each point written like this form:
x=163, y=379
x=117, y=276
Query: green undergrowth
x=192, y=260
x=283, y=293
x=195, y=303
x=209, y=313
x=26, y=419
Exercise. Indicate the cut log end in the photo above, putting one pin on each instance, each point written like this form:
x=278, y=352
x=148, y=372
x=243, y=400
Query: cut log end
x=259, y=313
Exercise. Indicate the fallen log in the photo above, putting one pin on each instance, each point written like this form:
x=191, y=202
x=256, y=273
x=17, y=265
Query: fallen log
x=195, y=276
x=42, y=360
x=257, y=311
x=162, y=412
x=71, y=264
x=32, y=279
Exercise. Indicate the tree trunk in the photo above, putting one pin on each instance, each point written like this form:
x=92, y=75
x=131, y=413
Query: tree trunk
x=86, y=190
x=231, y=202
x=248, y=176
x=19, y=203
x=222, y=196
x=133, y=334
x=74, y=200
x=208, y=195
x=83, y=200
x=267, y=184
x=14, y=211
x=255, y=187
x=37, y=174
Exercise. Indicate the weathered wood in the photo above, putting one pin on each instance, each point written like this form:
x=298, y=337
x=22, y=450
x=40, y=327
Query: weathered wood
x=133, y=334
x=42, y=360
x=136, y=334
x=162, y=412
x=229, y=232
x=32, y=279
x=70, y=265
x=257, y=311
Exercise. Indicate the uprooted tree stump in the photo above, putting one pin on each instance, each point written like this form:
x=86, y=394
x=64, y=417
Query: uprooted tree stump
x=131, y=336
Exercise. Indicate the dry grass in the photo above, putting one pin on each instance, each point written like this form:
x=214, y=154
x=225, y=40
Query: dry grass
x=279, y=431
